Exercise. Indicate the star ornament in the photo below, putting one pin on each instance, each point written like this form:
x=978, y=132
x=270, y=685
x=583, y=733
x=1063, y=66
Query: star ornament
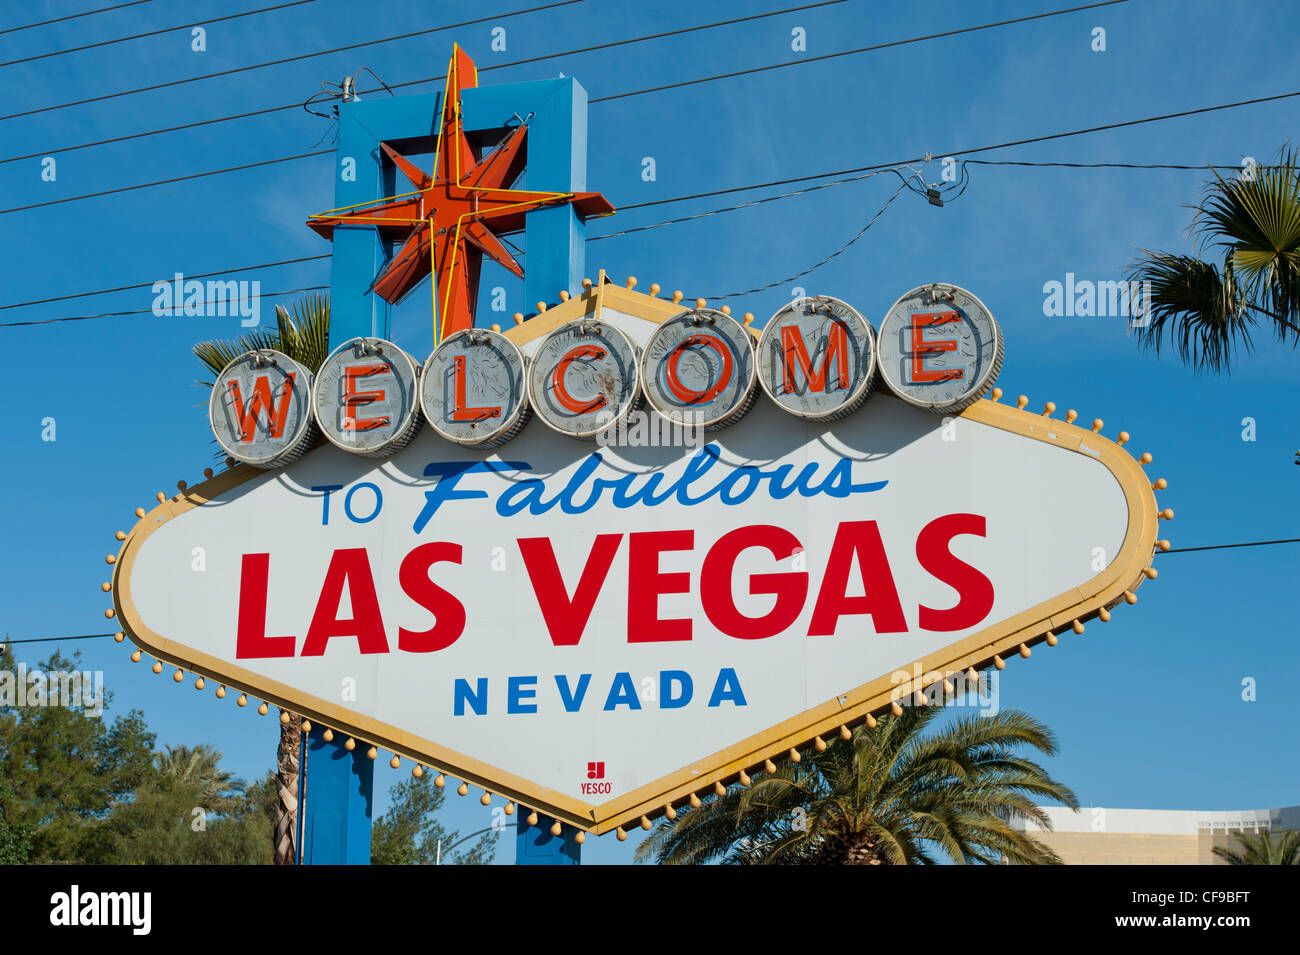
x=455, y=215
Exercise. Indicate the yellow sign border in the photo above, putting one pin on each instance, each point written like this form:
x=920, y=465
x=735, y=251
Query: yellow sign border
x=1117, y=583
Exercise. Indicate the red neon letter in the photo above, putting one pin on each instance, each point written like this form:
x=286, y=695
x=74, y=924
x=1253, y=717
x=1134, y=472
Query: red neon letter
x=645, y=583
x=251, y=641
x=790, y=587
x=459, y=406
x=262, y=400
x=921, y=348
x=448, y=612
x=794, y=349
x=974, y=590
x=557, y=379
x=567, y=619
x=881, y=598
x=349, y=567
x=690, y=395
x=352, y=398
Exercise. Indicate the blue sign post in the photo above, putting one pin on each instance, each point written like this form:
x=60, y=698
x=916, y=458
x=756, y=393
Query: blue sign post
x=338, y=799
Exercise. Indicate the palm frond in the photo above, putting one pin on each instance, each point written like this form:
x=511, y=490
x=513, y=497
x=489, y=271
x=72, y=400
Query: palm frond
x=1193, y=305
x=302, y=334
x=891, y=795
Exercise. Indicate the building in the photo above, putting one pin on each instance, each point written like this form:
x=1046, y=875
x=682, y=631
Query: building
x=1097, y=836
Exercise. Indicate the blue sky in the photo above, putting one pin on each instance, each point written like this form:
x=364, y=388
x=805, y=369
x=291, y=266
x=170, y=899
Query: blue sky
x=1148, y=708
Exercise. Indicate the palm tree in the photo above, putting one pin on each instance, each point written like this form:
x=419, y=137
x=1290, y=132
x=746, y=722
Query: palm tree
x=1262, y=849
x=1208, y=311
x=304, y=337
x=199, y=766
x=890, y=795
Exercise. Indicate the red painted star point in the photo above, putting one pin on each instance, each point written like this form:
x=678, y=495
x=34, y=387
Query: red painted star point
x=457, y=214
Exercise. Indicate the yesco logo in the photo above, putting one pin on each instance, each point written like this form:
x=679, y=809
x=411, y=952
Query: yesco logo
x=76, y=908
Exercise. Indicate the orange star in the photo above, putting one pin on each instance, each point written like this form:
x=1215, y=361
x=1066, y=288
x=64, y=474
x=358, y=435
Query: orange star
x=456, y=215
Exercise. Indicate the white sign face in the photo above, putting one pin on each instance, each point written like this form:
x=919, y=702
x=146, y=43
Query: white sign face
x=598, y=632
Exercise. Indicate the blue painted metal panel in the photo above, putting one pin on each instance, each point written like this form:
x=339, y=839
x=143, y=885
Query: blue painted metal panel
x=534, y=845
x=338, y=804
x=556, y=111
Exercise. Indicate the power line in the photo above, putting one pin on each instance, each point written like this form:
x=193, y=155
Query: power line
x=813, y=268
x=951, y=152
x=140, y=285
x=296, y=105
x=73, y=16
x=1188, y=550
x=1098, y=165
x=861, y=49
x=139, y=36
x=707, y=79
x=268, y=162
x=149, y=311
x=326, y=255
x=80, y=636
x=288, y=59
x=643, y=205
x=714, y=212
x=164, y=182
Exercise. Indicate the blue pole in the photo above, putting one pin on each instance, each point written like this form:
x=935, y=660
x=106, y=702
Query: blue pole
x=336, y=830
x=534, y=845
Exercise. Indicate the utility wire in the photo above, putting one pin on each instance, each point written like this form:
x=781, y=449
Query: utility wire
x=707, y=79
x=633, y=206
x=73, y=16
x=714, y=212
x=1188, y=550
x=316, y=288
x=482, y=69
x=140, y=285
x=949, y=152
x=813, y=268
x=139, y=36
x=326, y=255
x=164, y=182
x=1098, y=165
x=288, y=59
x=147, y=311
x=861, y=49
x=4, y=642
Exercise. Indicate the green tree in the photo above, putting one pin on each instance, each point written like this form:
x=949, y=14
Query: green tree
x=64, y=768
x=409, y=833
x=171, y=821
x=1246, y=270
x=303, y=335
x=892, y=795
x=15, y=839
x=199, y=767
x=1263, y=849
